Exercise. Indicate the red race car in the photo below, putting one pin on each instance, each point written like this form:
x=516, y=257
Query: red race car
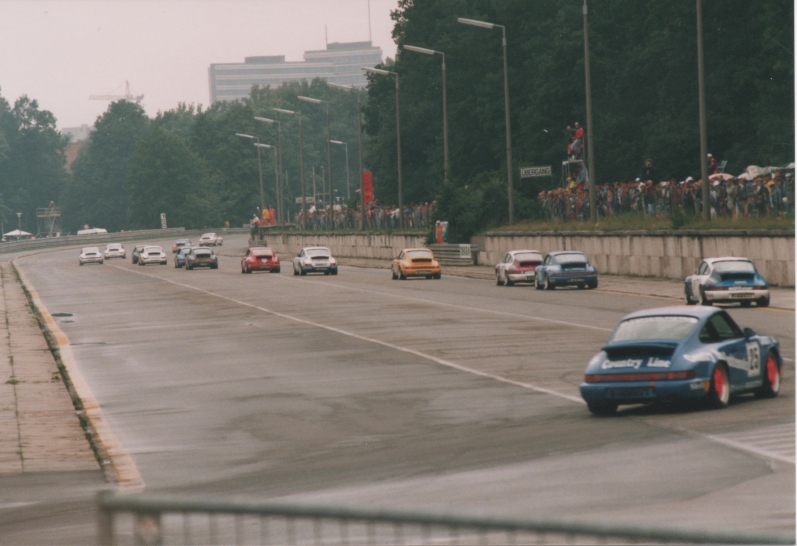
x=260, y=258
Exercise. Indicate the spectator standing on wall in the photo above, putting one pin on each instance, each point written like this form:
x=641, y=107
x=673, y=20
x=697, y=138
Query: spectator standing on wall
x=649, y=172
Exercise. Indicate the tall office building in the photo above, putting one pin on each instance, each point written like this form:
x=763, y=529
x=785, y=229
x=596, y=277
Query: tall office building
x=338, y=63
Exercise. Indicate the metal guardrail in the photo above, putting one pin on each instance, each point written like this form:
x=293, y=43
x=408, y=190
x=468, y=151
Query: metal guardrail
x=104, y=238
x=161, y=520
x=451, y=254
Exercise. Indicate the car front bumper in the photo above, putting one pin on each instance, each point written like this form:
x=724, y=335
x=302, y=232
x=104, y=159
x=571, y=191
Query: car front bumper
x=639, y=392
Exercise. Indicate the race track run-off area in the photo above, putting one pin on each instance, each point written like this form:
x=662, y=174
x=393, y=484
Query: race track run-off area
x=448, y=395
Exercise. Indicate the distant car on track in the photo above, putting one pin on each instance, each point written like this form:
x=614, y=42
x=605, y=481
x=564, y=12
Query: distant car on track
x=210, y=239
x=726, y=280
x=152, y=255
x=566, y=268
x=260, y=258
x=179, y=258
x=518, y=266
x=114, y=250
x=680, y=352
x=315, y=259
x=90, y=255
x=416, y=262
x=201, y=257
x=136, y=252
x=180, y=243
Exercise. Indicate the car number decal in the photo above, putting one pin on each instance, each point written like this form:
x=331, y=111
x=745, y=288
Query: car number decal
x=753, y=359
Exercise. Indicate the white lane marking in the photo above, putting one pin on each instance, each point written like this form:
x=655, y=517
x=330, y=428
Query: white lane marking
x=127, y=474
x=773, y=442
x=364, y=338
x=466, y=308
x=730, y=442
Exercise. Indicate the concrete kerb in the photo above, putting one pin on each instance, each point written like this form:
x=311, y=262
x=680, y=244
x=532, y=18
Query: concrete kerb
x=116, y=464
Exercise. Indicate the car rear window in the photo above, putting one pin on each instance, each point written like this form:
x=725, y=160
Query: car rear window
x=262, y=253
x=734, y=266
x=528, y=257
x=202, y=254
x=419, y=254
x=575, y=257
x=661, y=327
x=317, y=252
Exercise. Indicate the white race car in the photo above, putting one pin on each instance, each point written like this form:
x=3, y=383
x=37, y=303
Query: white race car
x=152, y=255
x=315, y=259
x=90, y=255
x=114, y=250
x=210, y=239
x=517, y=266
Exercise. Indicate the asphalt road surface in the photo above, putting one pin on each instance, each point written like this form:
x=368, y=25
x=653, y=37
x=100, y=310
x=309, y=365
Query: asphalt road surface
x=447, y=395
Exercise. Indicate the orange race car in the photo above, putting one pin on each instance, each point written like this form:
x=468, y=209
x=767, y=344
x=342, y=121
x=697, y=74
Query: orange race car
x=416, y=262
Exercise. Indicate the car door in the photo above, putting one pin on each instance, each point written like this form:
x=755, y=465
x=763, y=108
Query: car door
x=397, y=263
x=742, y=355
x=297, y=261
x=504, y=264
x=699, y=277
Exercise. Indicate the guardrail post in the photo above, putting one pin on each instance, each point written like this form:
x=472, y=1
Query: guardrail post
x=104, y=520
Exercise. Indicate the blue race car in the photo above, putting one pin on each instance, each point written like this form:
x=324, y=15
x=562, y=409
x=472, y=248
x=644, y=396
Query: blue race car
x=179, y=258
x=726, y=280
x=680, y=352
x=567, y=268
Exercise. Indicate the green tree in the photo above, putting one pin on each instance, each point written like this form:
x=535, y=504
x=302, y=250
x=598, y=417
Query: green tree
x=97, y=194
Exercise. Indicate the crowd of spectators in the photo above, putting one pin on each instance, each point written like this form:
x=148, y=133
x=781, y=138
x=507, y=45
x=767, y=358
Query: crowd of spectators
x=377, y=217
x=748, y=195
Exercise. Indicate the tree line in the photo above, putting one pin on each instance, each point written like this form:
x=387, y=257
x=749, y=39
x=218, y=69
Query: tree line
x=188, y=163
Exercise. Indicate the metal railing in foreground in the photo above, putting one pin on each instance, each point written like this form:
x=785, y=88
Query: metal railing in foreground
x=163, y=520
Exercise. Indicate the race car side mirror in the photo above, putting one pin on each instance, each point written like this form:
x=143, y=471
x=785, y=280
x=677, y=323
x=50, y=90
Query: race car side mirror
x=749, y=332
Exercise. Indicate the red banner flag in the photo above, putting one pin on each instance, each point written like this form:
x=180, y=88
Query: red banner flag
x=368, y=183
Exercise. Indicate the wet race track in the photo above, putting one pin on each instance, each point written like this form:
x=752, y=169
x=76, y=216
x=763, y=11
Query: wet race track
x=449, y=395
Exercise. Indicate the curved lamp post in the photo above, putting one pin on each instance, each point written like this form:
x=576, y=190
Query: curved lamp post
x=360, y=141
x=446, y=165
x=280, y=185
x=509, y=168
x=398, y=139
x=260, y=171
x=301, y=161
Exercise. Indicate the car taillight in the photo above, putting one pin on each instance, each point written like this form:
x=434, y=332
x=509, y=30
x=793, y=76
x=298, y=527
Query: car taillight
x=624, y=377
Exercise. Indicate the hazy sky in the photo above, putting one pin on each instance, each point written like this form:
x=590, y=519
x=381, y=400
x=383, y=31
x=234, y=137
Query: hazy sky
x=61, y=51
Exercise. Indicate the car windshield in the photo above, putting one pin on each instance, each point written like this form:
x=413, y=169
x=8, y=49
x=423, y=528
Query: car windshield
x=528, y=257
x=573, y=257
x=419, y=254
x=317, y=252
x=661, y=327
x=733, y=266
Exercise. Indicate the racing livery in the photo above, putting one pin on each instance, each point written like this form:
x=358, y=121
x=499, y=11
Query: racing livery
x=517, y=266
x=726, y=280
x=566, y=268
x=680, y=352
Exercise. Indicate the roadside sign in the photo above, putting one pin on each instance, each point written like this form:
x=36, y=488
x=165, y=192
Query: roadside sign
x=368, y=183
x=534, y=172
x=163, y=220
x=308, y=199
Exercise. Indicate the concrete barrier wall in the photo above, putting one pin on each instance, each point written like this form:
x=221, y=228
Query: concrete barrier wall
x=667, y=254
x=352, y=245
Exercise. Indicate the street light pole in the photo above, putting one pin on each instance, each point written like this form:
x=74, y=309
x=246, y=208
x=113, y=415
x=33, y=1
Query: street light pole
x=360, y=142
x=19, y=229
x=346, y=145
x=276, y=163
x=509, y=168
x=446, y=164
x=260, y=171
x=701, y=90
x=593, y=213
x=280, y=185
x=301, y=162
x=398, y=139
x=329, y=158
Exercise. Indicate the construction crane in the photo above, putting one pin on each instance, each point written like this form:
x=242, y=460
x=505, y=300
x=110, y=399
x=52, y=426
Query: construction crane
x=127, y=96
